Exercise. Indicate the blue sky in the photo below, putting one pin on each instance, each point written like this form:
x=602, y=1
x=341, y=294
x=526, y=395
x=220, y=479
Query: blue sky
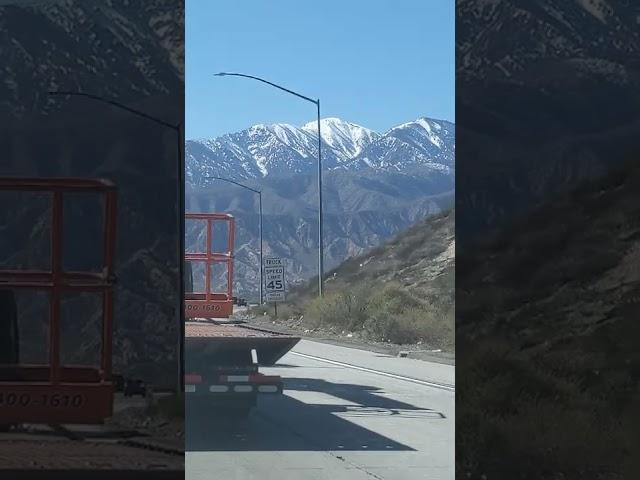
x=377, y=63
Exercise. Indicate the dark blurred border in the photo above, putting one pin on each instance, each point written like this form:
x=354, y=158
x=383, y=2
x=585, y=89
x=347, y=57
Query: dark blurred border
x=548, y=252
x=121, y=63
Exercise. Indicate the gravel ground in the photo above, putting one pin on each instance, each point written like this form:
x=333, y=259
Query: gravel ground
x=136, y=438
x=63, y=454
x=155, y=425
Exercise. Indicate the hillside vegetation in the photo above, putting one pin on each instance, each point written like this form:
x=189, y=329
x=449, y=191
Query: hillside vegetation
x=401, y=292
x=548, y=323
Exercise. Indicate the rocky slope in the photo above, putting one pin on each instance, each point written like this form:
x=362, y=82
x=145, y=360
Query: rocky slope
x=399, y=293
x=420, y=258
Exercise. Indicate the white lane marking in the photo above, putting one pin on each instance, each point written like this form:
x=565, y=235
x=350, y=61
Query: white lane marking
x=442, y=386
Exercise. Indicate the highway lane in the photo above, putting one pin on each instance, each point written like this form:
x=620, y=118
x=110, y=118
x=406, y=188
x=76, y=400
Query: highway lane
x=346, y=414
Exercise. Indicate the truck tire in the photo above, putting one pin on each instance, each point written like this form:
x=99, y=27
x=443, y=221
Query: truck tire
x=9, y=340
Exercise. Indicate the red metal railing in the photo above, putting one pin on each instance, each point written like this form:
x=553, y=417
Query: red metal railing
x=209, y=304
x=89, y=392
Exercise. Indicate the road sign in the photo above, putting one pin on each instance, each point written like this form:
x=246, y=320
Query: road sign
x=274, y=275
x=273, y=262
x=275, y=296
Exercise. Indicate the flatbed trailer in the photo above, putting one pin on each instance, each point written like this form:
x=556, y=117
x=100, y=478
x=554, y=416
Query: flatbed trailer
x=269, y=346
x=222, y=358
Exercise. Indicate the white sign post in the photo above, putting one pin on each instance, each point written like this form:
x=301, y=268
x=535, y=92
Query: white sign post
x=274, y=280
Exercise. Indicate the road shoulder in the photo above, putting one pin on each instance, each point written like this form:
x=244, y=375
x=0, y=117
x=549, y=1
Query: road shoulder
x=416, y=352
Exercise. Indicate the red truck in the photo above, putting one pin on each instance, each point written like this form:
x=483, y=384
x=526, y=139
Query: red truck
x=222, y=357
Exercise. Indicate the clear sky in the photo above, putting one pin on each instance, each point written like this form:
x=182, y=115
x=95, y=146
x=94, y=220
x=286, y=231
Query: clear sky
x=377, y=63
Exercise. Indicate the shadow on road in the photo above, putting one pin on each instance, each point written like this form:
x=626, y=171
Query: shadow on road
x=286, y=365
x=368, y=399
x=287, y=424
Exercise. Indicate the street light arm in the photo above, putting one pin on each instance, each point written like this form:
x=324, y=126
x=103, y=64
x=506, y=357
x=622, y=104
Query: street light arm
x=235, y=183
x=225, y=74
x=116, y=104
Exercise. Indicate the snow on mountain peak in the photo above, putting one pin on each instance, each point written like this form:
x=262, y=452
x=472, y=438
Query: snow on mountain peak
x=285, y=132
x=284, y=149
x=347, y=138
x=424, y=124
x=422, y=127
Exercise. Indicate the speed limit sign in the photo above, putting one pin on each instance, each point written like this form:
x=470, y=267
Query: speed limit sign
x=274, y=275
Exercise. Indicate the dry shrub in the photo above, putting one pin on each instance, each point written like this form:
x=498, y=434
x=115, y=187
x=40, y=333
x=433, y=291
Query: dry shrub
x=390, y=315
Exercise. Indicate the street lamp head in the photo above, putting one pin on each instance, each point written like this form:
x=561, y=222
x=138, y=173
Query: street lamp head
x=220, y=74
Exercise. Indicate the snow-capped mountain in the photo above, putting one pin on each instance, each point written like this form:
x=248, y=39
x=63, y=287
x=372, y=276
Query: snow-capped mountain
x=376, y=184
x=422, y=144
x=256, y=152
x=283, y=149
x=346, y=138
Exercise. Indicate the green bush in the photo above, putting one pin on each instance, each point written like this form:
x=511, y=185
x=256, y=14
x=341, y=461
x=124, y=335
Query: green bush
x=346, y=310
x=425, y=324
x=392, y=299
x=391, y=314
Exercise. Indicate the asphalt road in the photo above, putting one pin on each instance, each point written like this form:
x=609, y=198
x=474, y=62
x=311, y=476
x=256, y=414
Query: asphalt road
x=346, y=414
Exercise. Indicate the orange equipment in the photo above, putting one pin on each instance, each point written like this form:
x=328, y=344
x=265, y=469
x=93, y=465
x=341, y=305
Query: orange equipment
x=54, y=393
x=209, y=304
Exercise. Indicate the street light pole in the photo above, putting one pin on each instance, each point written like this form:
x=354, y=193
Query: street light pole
x=259, y=192
x=261, y=260
x=320, y=216
x=180, y=208
x=320, y=223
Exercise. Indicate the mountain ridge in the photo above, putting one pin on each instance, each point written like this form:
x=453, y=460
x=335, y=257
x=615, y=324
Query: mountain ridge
x=281, y=148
